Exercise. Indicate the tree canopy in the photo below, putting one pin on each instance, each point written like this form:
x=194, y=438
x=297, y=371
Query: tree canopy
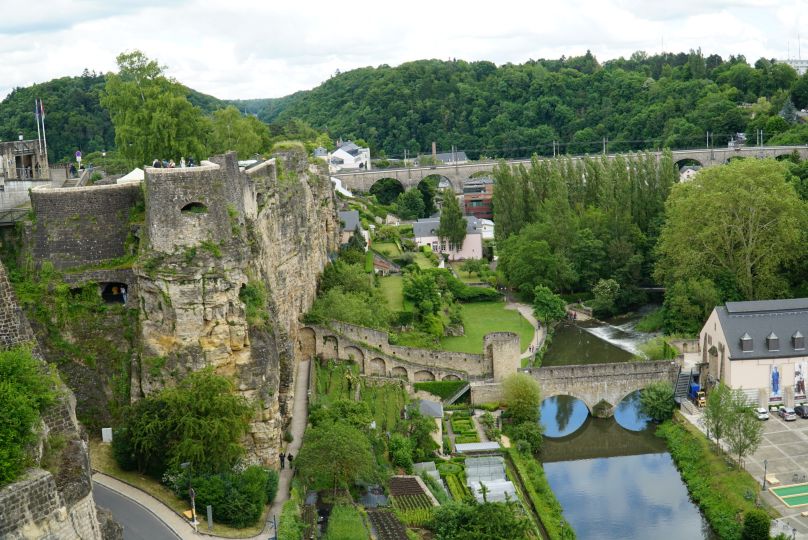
x=729, y=233
x=452, y=228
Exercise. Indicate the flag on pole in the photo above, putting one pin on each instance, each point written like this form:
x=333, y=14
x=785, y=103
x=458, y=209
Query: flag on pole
x=42, y=109
x=38, y=134
x=36, y=110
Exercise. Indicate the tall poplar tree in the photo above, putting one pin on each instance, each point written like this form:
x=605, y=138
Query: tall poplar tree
x=452, y=228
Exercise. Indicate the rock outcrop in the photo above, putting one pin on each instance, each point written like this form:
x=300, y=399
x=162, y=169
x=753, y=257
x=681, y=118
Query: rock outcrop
x=44, y=504
x=230, y=261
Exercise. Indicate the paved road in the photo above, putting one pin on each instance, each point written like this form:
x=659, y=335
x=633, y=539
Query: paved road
x=138, y=523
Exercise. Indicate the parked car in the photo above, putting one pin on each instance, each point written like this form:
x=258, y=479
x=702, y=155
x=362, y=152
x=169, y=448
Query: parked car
x=801, y=411
x=787, y=414
x=762, y=414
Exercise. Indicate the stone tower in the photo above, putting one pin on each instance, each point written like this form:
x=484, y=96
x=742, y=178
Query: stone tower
x=503, y=351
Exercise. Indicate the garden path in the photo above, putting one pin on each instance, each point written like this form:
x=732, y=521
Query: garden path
x=539, y=333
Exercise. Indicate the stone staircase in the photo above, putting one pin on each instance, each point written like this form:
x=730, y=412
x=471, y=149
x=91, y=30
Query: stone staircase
x=682, y=386
x=454, y=397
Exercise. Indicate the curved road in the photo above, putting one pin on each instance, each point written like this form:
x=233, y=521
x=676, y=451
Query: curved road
x=138, y=523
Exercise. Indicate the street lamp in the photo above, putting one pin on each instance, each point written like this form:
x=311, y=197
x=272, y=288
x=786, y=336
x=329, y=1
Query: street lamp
x=765, y=464
x=191, y=492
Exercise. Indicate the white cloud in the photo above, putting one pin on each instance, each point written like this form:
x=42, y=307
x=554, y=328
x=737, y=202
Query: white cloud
x=267, y=49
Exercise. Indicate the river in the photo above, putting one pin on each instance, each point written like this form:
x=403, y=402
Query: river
x=614, y=478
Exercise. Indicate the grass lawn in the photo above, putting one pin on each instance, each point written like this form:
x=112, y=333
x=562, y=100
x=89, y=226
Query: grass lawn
x=388, y=249
x=422, y=260
x=465, y=277
x=393, y=289
x=483, y=318
x=103, y=461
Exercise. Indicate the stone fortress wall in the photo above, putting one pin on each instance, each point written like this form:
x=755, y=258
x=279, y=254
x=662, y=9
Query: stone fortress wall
x=41, y=504
x=81, y=226
x=371, y=350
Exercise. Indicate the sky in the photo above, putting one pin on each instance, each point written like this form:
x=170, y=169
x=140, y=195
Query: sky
x=266, y=48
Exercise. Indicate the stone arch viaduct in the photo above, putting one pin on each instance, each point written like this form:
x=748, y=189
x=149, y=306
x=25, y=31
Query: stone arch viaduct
x=457, y=174
x=602, y=386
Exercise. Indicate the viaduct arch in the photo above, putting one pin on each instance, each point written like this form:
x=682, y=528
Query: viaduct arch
x=457, y=174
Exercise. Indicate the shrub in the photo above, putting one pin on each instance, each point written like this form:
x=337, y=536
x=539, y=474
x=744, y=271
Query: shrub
x=291, y=526
x=448, y=468
x=401, y=451
x=442, y=389
x=756, y=524
x=529, y=432
x=25, y=391
x=272, y=484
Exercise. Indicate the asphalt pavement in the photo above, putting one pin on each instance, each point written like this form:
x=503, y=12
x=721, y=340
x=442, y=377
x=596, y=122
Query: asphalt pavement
x=138, y=522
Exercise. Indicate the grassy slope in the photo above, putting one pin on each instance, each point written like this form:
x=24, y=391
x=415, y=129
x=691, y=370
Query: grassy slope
x=393, y=289
x=483, y=318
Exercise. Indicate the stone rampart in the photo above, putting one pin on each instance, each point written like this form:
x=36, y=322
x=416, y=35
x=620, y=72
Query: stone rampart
x=81, y=226
x=475, y=365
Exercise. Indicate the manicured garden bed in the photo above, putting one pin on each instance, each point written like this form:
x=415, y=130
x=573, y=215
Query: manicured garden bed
x=345, y=523
x=387, y=525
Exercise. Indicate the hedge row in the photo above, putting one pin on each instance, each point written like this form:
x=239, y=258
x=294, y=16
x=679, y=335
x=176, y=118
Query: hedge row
x=442, y=389
x=723, y=491
x=541, y=495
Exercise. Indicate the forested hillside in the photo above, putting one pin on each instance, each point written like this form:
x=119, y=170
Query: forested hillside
x=74, y=118
x=515, y=110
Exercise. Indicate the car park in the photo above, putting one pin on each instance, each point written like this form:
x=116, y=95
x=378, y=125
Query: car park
x=762, y=413
x=801, y=411
x=787, y=414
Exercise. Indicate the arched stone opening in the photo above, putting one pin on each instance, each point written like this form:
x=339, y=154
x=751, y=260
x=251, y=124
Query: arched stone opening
x=330, y=348
x=451, y=377
x=399, y=372
x=424, y=376
x=378, y=367
x=688, y=162
x=353, y=354
x=114, y=292
x=193, y=208
x=386, y=190
x=307, y=343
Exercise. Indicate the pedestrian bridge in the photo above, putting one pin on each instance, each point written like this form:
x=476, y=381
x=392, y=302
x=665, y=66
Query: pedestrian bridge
x=362, y=181
x=602, y=386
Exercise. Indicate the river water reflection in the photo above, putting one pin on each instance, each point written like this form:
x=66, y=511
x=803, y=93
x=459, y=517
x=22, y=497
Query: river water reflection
x=615, y=480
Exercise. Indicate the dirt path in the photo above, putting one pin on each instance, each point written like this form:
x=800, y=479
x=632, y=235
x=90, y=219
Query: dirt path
x=539, y=333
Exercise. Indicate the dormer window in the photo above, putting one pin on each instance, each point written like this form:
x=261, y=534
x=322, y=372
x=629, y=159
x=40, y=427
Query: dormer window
x=746, y=343
x=773, y=342
x=798, y=341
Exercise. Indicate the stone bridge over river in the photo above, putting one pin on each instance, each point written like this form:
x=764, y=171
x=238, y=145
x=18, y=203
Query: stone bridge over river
x=602, y=386
x=456, y=174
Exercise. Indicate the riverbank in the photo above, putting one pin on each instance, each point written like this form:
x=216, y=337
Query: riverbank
x=544, y=501
x=723, y=491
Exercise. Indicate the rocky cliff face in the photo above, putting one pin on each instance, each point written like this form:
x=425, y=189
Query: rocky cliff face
x=47, y=504
x=230, y=262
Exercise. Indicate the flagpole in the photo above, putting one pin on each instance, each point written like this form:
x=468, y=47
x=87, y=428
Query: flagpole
x=36, y=113
x=44, y=137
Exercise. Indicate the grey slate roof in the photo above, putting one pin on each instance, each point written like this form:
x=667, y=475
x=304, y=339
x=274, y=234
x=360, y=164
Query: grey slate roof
x=433, y=409
x=451, y=157
x=762, y=319
x=429, y=226
x=350, y=219
x=350, y=147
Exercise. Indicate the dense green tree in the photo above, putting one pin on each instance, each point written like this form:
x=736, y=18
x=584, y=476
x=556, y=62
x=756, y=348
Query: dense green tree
x=656, y=400
x=410, y=204
x=335, y=455
x=717, y=412
x=245, y=135
x=522, y=397
x=799, y=92
x=548, y=306
x=756, y=525
x=151, y=113
x=422, y=289
x=452, y=228
x=737, y=223
x=201, y=420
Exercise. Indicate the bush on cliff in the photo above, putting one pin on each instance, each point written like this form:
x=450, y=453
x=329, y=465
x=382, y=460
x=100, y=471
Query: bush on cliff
x=25, y=391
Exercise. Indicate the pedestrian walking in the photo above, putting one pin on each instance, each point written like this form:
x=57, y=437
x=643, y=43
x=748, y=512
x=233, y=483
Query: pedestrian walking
x=283, y=460
x=291, y=458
